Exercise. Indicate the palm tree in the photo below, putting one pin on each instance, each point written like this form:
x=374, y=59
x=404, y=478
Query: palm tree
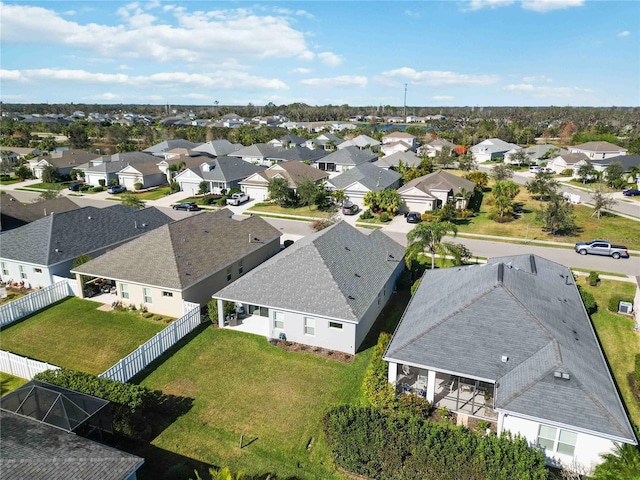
x=428, y=236
x=623, y=464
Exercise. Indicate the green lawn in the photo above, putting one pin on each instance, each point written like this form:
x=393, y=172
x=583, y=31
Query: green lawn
x=619, y=341
x=299, y=211
x=154, y=194
x=74, y=334
x=10, y=181
x=9, y=383
x=11, y=296
x=49, y=186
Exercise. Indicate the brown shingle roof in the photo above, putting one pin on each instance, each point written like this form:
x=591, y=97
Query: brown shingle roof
x=294, y=172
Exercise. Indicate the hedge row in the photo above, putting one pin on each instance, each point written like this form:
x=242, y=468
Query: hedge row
x=382, y=445
x=375, y=385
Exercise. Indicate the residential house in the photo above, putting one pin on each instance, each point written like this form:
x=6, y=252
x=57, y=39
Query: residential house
x=218, y=148
x=536, y=153
x=491, y=149
x=258, y=153
x=431, y=191
x=598, y=150
x=220, y=173
x=12, y=155
x=159, y=148
x=628, y=162
x=362, y=179
x=393, y=161
x=145, y=172
x=515, y=346
x=395, y=147
x=302, y=154
x=64, y=161
x=44, y=249
x=257, y=185
x=288, y=141
x=567, y=161
x=193, y=159
x=187, y=260
x=345, y=158
x=106, y=168
x=331, y=287
x=435, y=146
x=14, y=213
x=363, y=142
x=403, y=137
x=324, y=141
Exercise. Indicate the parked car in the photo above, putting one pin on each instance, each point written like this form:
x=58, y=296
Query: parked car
x=601, y=247
x=116, y=189
x=414, y=217
x=75, y=187
x=631, y=192
x=349, y=208
x=188, y=206
x=535, y=168
x=237, y=199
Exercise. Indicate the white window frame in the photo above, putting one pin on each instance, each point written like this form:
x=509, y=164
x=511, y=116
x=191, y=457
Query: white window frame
x=5, y=270
x=559, y=442
x=309, y=326
x=335, y=325
x=124, y=291
x=167, y=294
x=278, y=320
x=146, y=294
x=23, y=272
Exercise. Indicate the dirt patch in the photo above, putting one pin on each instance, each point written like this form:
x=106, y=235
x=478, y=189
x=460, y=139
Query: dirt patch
x=182, y=387
x=322, y=352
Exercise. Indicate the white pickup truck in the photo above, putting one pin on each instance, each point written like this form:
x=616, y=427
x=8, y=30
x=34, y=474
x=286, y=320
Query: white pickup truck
x=237, y=199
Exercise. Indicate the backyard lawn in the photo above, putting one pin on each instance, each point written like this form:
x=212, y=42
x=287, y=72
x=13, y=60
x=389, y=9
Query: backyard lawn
x=74, y=334
x=619, y=341
x=9, y=383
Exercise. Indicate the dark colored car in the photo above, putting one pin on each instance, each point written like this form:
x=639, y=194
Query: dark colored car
x=75, y=187
x=414, y=217
x=631, y=192
x=188, y=206
x=349, y=208
x=116, y=189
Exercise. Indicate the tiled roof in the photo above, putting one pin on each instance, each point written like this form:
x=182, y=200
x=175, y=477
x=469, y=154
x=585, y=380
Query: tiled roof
x=67, y=235
x=527, y=309
x=335, y=273
x=367, y=174
x=182, y=253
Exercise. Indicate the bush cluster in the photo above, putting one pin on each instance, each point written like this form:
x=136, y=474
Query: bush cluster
x=366, y=215
x=593, y=278
x=615, y=300
x=375, y=386
x=377, y=444
x=589, y=301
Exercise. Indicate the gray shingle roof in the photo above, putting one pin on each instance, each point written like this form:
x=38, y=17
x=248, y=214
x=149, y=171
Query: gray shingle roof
x=258, y=150
x=182, y=253
x=408, y=158
x=301, y=154
x=336, y=273
x=64, y=236
x=14, y=213
x=627, y=161
x=350, y=156
x=439, y=180
x=33, y=450
x=599, y=147
x=68, y=158
x=218, y=147
x=229, y=169
x=367, y=174
x=170, y=144
x=529, y=309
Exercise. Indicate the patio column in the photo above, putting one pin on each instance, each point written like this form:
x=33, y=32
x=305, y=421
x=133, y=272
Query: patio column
x=220, y=313
x=80, y=285
x=431, y=385
x=393, y=373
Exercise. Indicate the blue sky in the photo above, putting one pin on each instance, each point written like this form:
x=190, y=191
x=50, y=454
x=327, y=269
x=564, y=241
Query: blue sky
x=448, y=53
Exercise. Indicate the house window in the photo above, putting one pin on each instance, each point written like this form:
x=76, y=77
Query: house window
x=378, y=298
x=335, y=325
x=5, y=270
x=23, y=273
x=146, y=292
x=557, y=440
x=240, y=267
x=278, y=320
x=37, y=270
x=228, y=274
x=309, y=326
x=167, y=294
x=124, y=290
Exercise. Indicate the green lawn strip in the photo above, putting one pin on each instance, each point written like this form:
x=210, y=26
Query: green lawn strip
x=154, y=194
x=25, y=189
x=243, y=385
x=312, y=212
x=10, y=182
x=74, y=334
x=49, y=186
x=619, y=341
x=115, y=198
x=9, y=383
x=11, y=296
x=371, y=226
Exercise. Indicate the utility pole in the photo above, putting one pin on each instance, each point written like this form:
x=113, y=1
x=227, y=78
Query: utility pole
x=405, y=103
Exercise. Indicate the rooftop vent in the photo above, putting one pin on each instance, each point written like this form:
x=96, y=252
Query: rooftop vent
x=89, y=217
x=500, y=272
x=505, y=358
x=347, y=249
x=357, y=275
x=351, y=297
x=532, y=263
x=562, y=375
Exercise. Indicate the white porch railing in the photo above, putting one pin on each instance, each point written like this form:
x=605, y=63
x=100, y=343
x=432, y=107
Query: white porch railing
x=23, y=306
x=21, y=366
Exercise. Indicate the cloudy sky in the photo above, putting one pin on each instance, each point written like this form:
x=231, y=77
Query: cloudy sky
x=451, y=53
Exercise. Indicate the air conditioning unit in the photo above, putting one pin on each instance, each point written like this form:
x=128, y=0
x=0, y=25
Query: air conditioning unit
x=625, y=307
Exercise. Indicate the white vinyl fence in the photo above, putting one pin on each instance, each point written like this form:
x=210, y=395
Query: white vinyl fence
x=136, y=361
x=23, y=306
x=22, y=367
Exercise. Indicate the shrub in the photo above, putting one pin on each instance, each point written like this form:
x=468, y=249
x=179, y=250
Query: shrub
x=138, y=186
x=366, y=215
x=174, y=187
x=102, y=182
x=637, y=369
x=567, y=172
x=384, y=217
x=98, y=189
x=375, y=385
x=615, y=300
x=466, y=213
x=208, y=200
x=589, y=301
x=318, y=225
x=85, y=188
x=415, y=286
x=222, y=201
x=593, y=278
x=427, y=217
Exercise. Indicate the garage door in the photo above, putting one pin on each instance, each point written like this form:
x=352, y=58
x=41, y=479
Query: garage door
x=415, y=206
x=257, y=193
x=190, y=188
x=128, y=182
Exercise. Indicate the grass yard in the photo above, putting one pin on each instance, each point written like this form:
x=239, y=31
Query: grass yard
x=9, y=383
x=74, y=334
x=619, y=341
x=616, y=229
x=49, y=186
x=154, y=194
x=9, y=181
x=299, y=211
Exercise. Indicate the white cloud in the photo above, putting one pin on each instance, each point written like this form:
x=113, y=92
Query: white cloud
x=624, y=33
x=106, y=97
x=303, y=71
x=443, y=98
x=410, y=13
x=330, y=59
x=435, y=78
x=543, y=6
x=479, y=4
x=141, y=36
x=547, y=92
x=124, y=67
x=539, y=78
x=341, y=81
